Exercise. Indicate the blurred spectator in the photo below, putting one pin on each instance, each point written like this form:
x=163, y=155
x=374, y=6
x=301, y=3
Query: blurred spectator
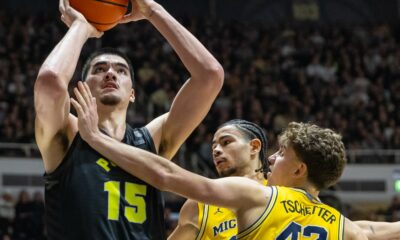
x=23, y=217
x=393, y=211
x=7, y=213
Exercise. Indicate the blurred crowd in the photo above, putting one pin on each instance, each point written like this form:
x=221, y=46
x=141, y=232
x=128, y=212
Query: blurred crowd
x=346, y=79
x=22, y=218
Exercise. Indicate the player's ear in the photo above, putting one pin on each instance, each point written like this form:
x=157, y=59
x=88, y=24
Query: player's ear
x=255, y=145
x=132, y=97
x=301, y=170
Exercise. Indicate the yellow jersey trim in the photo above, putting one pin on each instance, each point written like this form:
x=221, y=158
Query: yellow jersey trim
x=267, y=211
x=312, y=199
x=203, y=222
x=341, y=227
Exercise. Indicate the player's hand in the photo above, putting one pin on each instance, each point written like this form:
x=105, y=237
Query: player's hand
x=141, y=9
x=86, y=107
x=69, y=15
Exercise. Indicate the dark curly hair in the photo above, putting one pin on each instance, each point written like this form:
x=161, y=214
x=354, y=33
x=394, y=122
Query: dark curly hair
x=321, y=149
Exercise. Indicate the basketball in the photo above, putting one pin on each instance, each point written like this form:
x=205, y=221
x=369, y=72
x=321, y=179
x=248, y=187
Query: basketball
x=102, y=14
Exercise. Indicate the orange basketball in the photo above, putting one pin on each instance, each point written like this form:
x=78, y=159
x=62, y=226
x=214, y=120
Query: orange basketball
x=102, y=14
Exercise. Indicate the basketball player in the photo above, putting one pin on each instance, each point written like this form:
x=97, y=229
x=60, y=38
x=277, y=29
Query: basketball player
x=309, y=159
x=87, y=196
x=203, y=222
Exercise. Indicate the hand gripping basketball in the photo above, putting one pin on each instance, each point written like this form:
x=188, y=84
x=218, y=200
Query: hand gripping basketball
x=69, y=15
x=140, y=9
x=102, y=14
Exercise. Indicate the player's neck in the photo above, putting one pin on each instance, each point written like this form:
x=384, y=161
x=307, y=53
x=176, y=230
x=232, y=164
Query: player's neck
x=113, y=123
x=250, y=171
x=310, y=189
x=256, y=176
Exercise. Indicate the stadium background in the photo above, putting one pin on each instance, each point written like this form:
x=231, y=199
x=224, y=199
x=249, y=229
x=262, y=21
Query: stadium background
x=333, y=62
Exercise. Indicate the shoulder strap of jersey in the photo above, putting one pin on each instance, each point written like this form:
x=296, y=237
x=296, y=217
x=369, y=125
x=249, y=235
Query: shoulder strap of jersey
x=264, y=215
x=202, y=220
x=148, y=138
x=341, y=227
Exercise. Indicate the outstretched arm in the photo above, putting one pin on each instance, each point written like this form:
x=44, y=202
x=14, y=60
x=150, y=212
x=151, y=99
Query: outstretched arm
x=353, y=232
x=380, y=230
x=54, y=126
x=161, y=173
x=196, y=96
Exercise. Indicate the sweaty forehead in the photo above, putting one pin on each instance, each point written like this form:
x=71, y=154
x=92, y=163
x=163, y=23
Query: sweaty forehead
x=229, y=130
x=108, y=58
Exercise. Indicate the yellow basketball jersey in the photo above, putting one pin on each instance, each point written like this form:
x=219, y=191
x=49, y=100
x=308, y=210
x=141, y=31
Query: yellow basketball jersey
x=217, y=223
x=294, y=214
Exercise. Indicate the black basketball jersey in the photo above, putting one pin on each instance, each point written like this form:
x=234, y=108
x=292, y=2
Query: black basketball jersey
x=89, y=197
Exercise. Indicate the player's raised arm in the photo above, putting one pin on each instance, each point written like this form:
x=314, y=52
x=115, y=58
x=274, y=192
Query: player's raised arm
x=159, y=172
x=195, y=98
x=54, y=127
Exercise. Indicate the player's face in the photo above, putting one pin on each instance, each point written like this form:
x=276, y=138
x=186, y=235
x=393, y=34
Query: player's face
x=231, y=151
x=110, y=81
x=283, y=164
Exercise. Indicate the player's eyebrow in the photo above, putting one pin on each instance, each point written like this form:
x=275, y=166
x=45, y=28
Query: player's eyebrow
x=220, y=139
x=119, y=64
x=99, y=63
x=123, y=65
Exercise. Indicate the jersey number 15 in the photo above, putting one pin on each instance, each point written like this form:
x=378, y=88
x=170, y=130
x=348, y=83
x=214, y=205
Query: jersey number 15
x=134, y=196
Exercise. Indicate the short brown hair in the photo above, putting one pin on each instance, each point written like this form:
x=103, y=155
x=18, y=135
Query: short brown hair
x=321, y=149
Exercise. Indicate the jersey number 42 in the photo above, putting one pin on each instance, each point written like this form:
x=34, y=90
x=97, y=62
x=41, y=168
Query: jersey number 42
x=294, y=229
